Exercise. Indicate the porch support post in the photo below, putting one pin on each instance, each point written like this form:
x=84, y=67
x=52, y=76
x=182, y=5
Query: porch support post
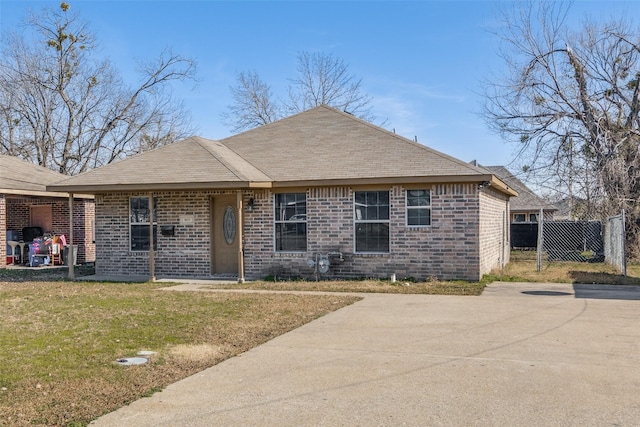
x=152, y=265
x=240, y=235
x=70, y=252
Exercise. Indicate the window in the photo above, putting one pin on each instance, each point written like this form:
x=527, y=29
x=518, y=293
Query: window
x=372, y=221
x=533, y=217
x=519, y=217
x=139, y=223
x=291, y=222
x=418, y=207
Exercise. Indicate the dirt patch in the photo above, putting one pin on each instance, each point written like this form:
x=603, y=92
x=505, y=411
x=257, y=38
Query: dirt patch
x=197, y=352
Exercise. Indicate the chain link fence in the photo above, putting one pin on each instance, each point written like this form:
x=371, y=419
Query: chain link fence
x=587, y=240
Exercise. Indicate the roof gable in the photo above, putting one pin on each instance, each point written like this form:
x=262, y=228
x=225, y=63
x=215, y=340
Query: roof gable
x=326, y=144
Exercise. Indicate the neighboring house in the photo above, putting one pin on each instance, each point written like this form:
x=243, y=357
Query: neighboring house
x=572, y=208
x=527, y=205
x=525, y=210
x=318, y=194
x=26, y=203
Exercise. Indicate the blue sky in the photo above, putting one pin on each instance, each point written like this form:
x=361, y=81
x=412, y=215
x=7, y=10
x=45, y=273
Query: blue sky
x=422, y=62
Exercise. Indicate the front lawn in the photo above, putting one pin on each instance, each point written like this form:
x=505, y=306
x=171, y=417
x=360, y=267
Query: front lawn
x=59, y=342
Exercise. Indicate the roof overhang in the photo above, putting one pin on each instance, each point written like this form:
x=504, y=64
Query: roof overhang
x=446, y=179
x=501, y=186
x=58, y=194
x=187, y=186
x=532, y=209
x=168, y=186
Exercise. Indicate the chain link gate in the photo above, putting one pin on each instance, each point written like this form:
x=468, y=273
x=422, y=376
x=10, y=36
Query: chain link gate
x=586, y=240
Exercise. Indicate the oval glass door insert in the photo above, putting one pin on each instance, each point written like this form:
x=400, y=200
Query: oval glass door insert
x=229, y=224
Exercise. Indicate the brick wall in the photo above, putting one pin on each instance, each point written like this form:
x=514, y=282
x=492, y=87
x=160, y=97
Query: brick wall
x=18, y=216
x=187, y=253
x=3, y=231
x=448, y=249
x=494, y=230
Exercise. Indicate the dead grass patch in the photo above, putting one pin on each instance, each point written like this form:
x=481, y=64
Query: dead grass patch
x=196, y=353
x=523, y=268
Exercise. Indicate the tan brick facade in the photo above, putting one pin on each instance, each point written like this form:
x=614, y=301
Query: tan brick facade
x=494, y=230
x=447, y=249
x=464, y=241
x=187, y=253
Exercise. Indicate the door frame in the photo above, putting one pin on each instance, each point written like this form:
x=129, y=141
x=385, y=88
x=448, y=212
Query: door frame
x=239, y=232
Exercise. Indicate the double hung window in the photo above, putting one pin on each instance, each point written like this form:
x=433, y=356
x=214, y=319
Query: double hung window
x=140, y=219
x=418, y=208
x=371, y=220
x=291, y=222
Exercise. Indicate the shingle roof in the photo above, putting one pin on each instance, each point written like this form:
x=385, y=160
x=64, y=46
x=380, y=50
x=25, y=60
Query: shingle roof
x=321, y=146
x=18, y=176
x=194, y=162
x=527, y=200
x=326, y=144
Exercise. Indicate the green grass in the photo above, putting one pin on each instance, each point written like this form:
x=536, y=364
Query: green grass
x=431, y=287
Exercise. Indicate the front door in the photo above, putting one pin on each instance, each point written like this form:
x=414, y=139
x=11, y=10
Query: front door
x=225, y=235
x=40, y=216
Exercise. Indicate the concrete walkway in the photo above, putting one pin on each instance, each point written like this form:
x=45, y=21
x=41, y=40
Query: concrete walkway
x=519, y=355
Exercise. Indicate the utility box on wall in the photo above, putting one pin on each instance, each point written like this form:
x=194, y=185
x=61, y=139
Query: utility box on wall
x=167, y=230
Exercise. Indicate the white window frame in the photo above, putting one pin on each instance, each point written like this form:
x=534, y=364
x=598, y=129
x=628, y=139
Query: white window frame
x=297, y=218
x=357, y=219
x=133, y=223
x=423, y=207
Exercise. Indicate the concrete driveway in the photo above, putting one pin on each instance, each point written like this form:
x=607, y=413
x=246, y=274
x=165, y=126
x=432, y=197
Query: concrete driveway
x=521, y=354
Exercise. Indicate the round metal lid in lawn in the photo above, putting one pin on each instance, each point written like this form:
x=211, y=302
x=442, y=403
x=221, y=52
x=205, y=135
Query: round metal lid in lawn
x=129, y=361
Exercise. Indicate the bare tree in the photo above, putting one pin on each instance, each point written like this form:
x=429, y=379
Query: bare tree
x=321, y=79
x=324, y=79
x=571, y=100
x=253, y=103
x=63, y=109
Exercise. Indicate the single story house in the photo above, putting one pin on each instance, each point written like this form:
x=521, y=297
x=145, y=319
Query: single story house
x=318, y=194
x=527, y=205
x=25, y=204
